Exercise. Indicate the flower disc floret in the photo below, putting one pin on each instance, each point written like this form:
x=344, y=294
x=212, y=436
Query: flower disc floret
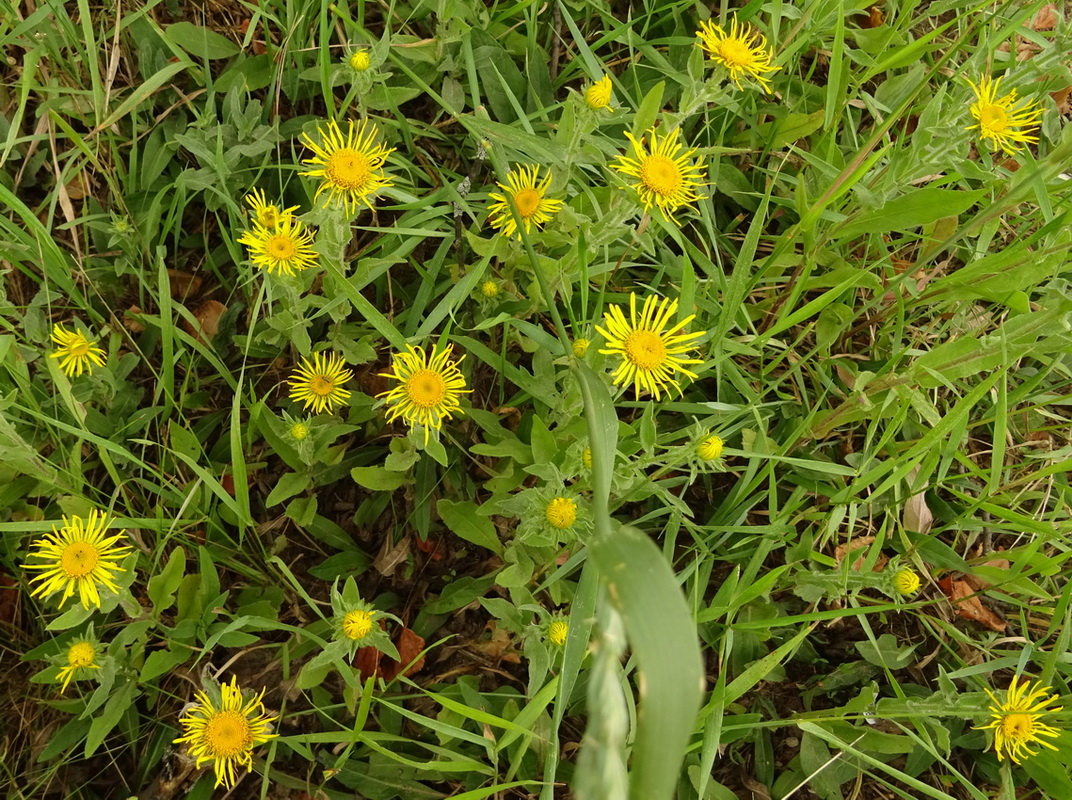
x=226, y=735
x=561, y=513
x=557, y=632
x=1004, y=121
x=77, y=354
x=357, y=624
x=78, y=558
x=1017, y=720
x=285, y=248
x=710, y=448
x=360, y=60
x=906, y=582
x=650, y=353
x=666, y=177
x=318, y=383
x=525, y=188
x=429, y=387
x=350, y=166
x=80, y=655
x=742, y=51
x=489, y=289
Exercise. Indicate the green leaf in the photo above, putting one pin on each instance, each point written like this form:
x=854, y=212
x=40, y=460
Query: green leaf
x=378, y=479
x=162, y=587
x=200, y=42
x=160, y=662
x=289, y=485
x=911, y=210
x=644, y=589
x=648, y=110
x=109, y=718
x=463, y=519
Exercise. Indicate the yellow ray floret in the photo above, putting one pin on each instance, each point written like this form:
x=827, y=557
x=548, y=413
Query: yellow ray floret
x=350, y=167
x=650, y=353
x=1000, y=120
x=77, y=354
x=665, y=176
x=266, y=214
x=742, y=51
x=524, y=187
x=285, y=248
x=318, y=383
x=429, y=387
x=226, y=735
x=78, y=557
x=1016, y=721
x=597, y=95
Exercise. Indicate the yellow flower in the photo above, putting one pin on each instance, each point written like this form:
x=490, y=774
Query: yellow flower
x=266, y=214
x=557, y=632
x=650, y=355
x=350, y=166
x=906, y=582
x=528, y=195
x=489, y=289
x=80, y=655
x=597, y=95
x=226, y=735
x=429, y=389
x=580, y=347
x=666, y=177
x=1017, y=721
x=561, y=513
x=79, y=557
x=999, y=120
x=710, y=448
x=357, y=624
x=360, y=60
x=318, y=383
x=586, y=457
x=742, y=51
x=286, y=247
x=77, y=353
x=299, y=431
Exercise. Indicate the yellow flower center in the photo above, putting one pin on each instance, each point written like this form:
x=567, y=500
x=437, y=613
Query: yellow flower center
x=557, y=632
x=227, y=734
x=1018, y=726
x=580, y=347
x=281, y=246
x=268, y=216
x=489, y=288
x=348, y=168
x=79, y=349
x=426, y=388
x=79, y=559
x=527, y=201
x=661, y=175
x=299, y=430
x=81, y=654
x=360, y=60
x=645, y=349
x=735, y=53
x=561, y=512
x=321, y=386
x=993, y=118
x=357, y=624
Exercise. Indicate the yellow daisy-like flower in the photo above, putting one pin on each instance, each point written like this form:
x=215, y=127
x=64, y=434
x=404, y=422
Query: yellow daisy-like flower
x=557, y=632
x=286, y=248
x=561, y=512
x=266, y=214
x=665, y=176
x=742, y=51
x=524, y=187
x=710, y=448
x=650, y=353
x=429, y=387
x=1003, y=120
x=226, y=735
x=360, y=60
x=906, y=582
x=597, y=95
x=80, y=655
x=79, y=557
x=350, y=167
x=357, y=624
x=1016, y=722
x=580, y=347
x=489, y=289
x=77, y=354
x=318, y=383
